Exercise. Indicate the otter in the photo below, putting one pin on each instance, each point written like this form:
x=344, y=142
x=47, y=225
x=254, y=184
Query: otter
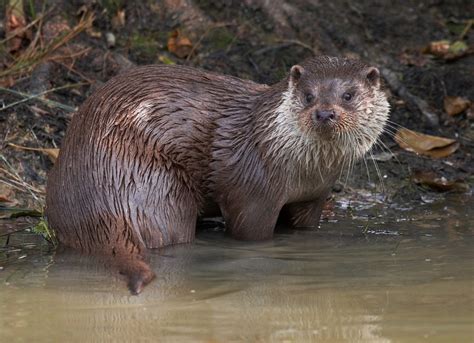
x=159, y=146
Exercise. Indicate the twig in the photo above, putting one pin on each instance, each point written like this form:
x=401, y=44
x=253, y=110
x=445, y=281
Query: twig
x=22, y=186
x=270, y=48
x=34, y=55
x=300, y=43
x=16, y=32
x=403, y=92
x=13, y=185
x=72, y=70
x=284, y=44
x=464, y=32
x=208, y=30
x=71, y=56
x=16, y=179
x=28, y=97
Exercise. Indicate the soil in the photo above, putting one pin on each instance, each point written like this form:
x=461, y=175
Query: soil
x=253, y=39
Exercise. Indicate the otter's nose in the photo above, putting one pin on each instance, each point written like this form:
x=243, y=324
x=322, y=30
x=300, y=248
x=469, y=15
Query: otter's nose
x=324, y=115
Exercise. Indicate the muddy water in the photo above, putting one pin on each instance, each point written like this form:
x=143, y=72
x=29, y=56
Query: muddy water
x=385, y=275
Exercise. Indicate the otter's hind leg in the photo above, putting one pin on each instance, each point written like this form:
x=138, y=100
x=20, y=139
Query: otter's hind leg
x=160, y=212
x=164, y=211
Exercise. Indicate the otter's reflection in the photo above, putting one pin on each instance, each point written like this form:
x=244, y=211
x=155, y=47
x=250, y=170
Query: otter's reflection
x=217, y=292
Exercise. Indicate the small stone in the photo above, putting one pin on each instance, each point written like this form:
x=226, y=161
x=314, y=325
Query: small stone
x=110, y=38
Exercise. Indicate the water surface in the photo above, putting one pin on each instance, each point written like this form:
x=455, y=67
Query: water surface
x=385, y=275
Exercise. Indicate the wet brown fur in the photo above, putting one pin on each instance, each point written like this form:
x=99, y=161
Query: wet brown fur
x=156, y=147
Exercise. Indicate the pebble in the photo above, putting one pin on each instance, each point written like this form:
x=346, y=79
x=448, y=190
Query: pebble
x=110, y=38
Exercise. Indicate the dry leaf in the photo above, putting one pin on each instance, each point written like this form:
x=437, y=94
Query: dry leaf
x=3, y=198
x=93, y=33
x=38, y=111
x=7, y=195
x=438, y=183
x=438, y=48
x=54, y=28
x=118, y=20
x=15, y=24
x=51, y=153
x=432, y=146
x=7, y=82
x=85, y=11
x=457, y=49
x=470, y=112
x=446, y=49
x=179, y=44
x=166, y=60
x=416, y=59
x=454, y=105
x=328, y=210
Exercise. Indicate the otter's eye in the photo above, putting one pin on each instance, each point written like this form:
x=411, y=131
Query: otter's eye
x=347, y=96
x=309, y=98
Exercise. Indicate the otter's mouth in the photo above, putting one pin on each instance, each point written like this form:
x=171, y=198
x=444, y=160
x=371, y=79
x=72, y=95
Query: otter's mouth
x=325, y=122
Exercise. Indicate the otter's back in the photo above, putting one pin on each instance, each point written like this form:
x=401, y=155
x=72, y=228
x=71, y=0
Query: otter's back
x=119, y=145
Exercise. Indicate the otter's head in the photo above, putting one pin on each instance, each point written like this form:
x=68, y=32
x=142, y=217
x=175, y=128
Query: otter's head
x=338, y=101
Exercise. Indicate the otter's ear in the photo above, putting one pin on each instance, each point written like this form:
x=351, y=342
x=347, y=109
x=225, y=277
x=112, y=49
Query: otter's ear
x=295, y=74
x=373, y=76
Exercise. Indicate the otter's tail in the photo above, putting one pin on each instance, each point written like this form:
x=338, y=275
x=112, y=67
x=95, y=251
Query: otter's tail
x=135, y=269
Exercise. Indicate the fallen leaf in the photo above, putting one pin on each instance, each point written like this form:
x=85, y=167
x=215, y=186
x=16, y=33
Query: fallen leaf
x=458, y=48
x=3, y=198
x=383, y=156
x=432, y=146
x=7, y=82
x=470, y=112
x=446, y=49
x=454, y=105
x=55, y=28
x=118, y=20
x=437, y=48
x=7, y=195
x=87, y=11
x=179, y=44
x=416, y=59
x=166, y=60
x=84, y=9
x=38, y=111
x=328, y=210
x=50, y=152
x=15, y=25
x=93, y=33
x=438, y=183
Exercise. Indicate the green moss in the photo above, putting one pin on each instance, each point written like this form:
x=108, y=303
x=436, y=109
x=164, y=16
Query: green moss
x=220, y=38
x=280, y=72
x=43, y=229
x=144, y=46
x=456, y=28
x=112, y=6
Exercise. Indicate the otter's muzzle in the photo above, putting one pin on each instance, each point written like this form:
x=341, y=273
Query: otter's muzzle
x=324, y=116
